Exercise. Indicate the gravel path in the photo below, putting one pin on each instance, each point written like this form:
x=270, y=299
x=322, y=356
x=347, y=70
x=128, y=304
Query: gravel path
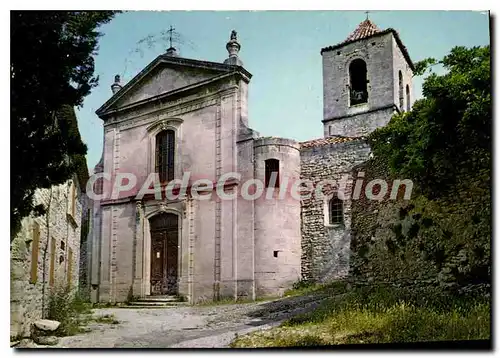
x=187, y=327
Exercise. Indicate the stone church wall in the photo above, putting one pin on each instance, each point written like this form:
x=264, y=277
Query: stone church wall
x=359, y=125
x=277, y=220
x=53, y=240
x=325, y=248
x=377, y=54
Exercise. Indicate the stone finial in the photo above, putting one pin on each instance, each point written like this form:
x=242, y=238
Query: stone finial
x=116, y=86
x=171, y=51
x=233, y=48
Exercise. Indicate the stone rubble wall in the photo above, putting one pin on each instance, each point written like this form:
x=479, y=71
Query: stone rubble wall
x=326, y=248
x=29, y=301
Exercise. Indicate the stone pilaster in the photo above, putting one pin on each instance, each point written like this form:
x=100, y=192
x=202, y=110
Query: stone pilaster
x=138, y=251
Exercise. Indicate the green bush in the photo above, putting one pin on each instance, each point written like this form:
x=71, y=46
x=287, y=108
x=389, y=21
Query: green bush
x=69, y=309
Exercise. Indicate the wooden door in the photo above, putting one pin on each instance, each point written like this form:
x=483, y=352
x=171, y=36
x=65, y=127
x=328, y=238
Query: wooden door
x=158, y=258
x=172, y=255
x=164, y=254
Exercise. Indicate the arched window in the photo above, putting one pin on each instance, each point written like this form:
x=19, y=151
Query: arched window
x=336, y=211
x=407, y=98
x=358, y=82
x=165, y=150
x=401, y=98
x=272, y=166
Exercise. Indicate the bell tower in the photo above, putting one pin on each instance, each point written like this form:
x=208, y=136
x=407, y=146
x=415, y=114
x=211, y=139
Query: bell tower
x=366, y=79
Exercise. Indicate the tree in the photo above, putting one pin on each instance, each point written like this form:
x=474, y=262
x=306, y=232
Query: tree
x=52, y=70
x=444, y=145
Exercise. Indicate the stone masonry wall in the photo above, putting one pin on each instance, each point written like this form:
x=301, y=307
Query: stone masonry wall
x=29, y=292
x=325, y=248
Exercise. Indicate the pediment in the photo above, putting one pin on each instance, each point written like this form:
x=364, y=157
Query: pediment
x=162, y=81
x=164, y=75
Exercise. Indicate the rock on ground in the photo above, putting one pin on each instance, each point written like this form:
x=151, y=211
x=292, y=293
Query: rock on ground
x=46, y=325
x=46, y=340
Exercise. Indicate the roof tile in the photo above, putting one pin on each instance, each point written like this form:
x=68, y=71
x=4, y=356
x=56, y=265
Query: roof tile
x=364, y=29
x=329, y=140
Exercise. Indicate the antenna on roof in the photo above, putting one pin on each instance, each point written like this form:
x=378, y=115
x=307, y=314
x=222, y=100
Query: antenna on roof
x=164, y=38
x=170, y=33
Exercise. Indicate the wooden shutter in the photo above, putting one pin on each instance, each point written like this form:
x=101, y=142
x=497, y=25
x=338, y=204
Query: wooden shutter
x=70, y=266
x=170, y=154
x=52, y=261
x=34, y=253
x=165, y=155
x=73, y=199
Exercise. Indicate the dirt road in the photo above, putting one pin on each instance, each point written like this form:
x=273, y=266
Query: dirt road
x=187, y=327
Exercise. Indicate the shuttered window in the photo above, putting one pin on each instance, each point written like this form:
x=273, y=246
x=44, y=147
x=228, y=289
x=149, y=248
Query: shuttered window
x=34, y=253
x=52, y=261
x=165, y=151
x=73, y=200
x=70, y=266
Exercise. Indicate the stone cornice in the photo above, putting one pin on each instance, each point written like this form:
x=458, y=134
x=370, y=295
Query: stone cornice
x=382, y=108
x=106, y=112
x=170, y=109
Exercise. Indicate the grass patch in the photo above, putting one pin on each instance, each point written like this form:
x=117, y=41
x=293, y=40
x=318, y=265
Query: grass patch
x=380, y=315
x=304, y=287
x=107, y=318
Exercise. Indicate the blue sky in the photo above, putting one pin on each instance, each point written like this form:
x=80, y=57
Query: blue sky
x=280, y=48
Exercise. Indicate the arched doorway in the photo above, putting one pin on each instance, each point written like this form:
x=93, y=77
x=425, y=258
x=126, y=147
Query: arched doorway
x=164, y=254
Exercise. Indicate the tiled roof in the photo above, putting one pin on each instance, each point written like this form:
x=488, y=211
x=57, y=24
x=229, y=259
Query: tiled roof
x=364, y=29
x=368, y=29
x=329, y=140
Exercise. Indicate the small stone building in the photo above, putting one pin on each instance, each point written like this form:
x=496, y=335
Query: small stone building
x=182, y=115
x=45, y=254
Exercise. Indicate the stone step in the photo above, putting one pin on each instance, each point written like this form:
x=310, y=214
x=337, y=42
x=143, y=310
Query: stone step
x=158, y=299
x=130, y=306
x=157, y=303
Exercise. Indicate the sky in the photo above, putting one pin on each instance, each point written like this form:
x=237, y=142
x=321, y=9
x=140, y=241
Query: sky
x=281, y=49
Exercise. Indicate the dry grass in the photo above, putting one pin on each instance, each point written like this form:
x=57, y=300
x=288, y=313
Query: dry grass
x=377, y=316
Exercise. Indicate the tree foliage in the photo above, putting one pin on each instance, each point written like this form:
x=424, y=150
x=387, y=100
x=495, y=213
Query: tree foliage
x=444, y=145
x=52, y=70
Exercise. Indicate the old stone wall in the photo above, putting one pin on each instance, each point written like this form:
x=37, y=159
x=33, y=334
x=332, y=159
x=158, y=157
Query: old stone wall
x=45, y=255
x=376, y=254
x=359, y=125
x=400, y=64
x=325, y=247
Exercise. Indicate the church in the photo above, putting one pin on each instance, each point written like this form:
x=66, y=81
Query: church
x=182, y=115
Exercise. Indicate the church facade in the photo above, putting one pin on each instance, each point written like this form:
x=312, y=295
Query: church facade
x=181, y=116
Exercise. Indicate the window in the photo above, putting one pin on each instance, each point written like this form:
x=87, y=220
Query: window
x=34, y=253
x=407, y=98
x=73, y=199
x=63, y=246
x=358, y=92
x=70, y=266
x=98, y=185
x=336, y=211
x=52, y=262
x=272, y=166
x=401, y=99
x=165, y=147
